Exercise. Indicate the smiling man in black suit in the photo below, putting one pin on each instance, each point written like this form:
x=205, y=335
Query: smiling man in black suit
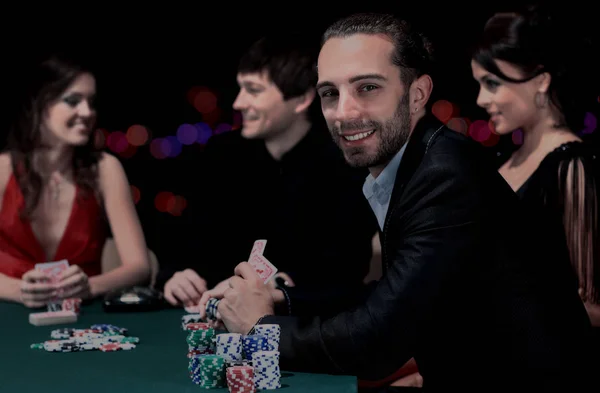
x=476, y=309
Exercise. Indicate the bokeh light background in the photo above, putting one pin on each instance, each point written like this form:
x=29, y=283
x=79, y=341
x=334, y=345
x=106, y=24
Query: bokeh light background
x=163, y=92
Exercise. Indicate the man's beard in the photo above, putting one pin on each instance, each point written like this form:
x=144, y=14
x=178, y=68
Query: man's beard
x=392, y=135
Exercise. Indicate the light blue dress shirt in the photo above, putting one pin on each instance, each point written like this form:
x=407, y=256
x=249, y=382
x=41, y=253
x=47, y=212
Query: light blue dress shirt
x=379, y=190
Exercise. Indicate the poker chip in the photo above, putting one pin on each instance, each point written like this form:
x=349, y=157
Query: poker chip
x=196, y=326
x=253, y=343
x=240, y=379
x=190, y=318
x=208, y=371
x=241, y=363
x=200, y=342
x=229, y=346
x=211, y=309
x=105, y=337
x=267, y=374
x=272, y=332
x=109, y=329
x=110, y=347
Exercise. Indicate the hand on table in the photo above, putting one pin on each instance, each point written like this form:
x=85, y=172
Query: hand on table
x=185, y=288
x=36, y=289
x=245, y=301
x=73, y=282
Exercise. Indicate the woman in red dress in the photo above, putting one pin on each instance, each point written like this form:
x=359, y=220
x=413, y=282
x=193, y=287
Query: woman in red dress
x=59, y=196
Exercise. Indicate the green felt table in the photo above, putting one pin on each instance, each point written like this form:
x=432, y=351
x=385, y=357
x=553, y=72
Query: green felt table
x=158, y=363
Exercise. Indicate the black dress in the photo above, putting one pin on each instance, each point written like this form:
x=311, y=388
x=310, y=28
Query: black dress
x=563, y=194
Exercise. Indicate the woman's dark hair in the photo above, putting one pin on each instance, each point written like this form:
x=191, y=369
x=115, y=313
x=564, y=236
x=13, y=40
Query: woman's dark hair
x=539, y=40
x=44, y=84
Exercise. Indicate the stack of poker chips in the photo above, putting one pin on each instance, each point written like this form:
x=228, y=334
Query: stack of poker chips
x=200, y=339
x=208, y=371
x=103, y=337
x=245, y=363
x=211, y=309
x=267, y=375
x=253, y=343
x=240, y=379
x=272, y=332
x=190, y=318
x=229, y=346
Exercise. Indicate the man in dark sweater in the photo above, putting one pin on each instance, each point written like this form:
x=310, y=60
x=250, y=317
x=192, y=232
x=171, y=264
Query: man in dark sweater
x=281, y=178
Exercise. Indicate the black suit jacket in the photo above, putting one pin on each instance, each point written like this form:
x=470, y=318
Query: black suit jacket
x=468, y=290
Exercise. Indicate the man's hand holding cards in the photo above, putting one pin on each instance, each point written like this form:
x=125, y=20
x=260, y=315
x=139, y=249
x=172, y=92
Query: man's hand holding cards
x=262, y=267
x=259, y=263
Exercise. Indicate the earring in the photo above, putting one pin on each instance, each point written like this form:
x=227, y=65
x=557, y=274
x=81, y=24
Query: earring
x=540, y=99
x=416, y=110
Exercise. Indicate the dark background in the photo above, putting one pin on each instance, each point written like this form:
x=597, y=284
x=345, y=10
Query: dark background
x=148, y=58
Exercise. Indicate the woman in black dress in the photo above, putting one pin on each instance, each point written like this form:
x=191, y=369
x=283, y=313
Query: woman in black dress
x=533, y=77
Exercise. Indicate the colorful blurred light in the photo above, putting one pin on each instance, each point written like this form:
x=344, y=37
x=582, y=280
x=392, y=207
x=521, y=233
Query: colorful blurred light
x=167, y=202
x=129, y=152
x=444, y=110
x=176, y=205
x=237, y=120
x=117, y=141
x=161, y=201
x=221, y=128
x=202, y=98
x=517, y=137
x=204, y=132
x=174, y=146
x=136, y=195
x=458, y=124
x=212, y=117
x=187, y=134
x=479, y=130
x=159, y=148
x=492, y=140
x=590, y=123
x=137, y=135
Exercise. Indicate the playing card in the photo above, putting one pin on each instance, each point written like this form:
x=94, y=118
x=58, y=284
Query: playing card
x=53, y=269
x=258, y=248
x=262, y=266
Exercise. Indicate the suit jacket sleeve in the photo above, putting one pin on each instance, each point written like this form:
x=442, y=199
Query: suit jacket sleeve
x=439, y=222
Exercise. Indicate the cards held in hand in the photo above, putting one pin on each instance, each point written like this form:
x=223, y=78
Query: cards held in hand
x=265, y=269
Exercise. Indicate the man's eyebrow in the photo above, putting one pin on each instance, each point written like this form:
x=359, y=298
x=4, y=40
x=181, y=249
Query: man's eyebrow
x=354, y=79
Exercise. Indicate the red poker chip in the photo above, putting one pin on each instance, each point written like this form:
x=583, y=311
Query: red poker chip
x=197, y=326
x=110, y=347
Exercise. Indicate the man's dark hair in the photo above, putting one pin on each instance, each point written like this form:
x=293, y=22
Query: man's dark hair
x=288, y=59
x=413, y=51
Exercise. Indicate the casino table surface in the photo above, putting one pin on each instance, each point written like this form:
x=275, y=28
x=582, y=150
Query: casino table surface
x=158, y=363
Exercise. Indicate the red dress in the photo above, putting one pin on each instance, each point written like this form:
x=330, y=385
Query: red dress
x=82, y=242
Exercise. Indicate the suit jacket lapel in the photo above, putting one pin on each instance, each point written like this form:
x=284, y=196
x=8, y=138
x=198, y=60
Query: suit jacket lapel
x=418, y=143
x=413, y=155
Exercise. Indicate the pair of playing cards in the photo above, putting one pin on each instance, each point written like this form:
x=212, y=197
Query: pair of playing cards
x=53, y=269
x=261, y=265
x=55, y=314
